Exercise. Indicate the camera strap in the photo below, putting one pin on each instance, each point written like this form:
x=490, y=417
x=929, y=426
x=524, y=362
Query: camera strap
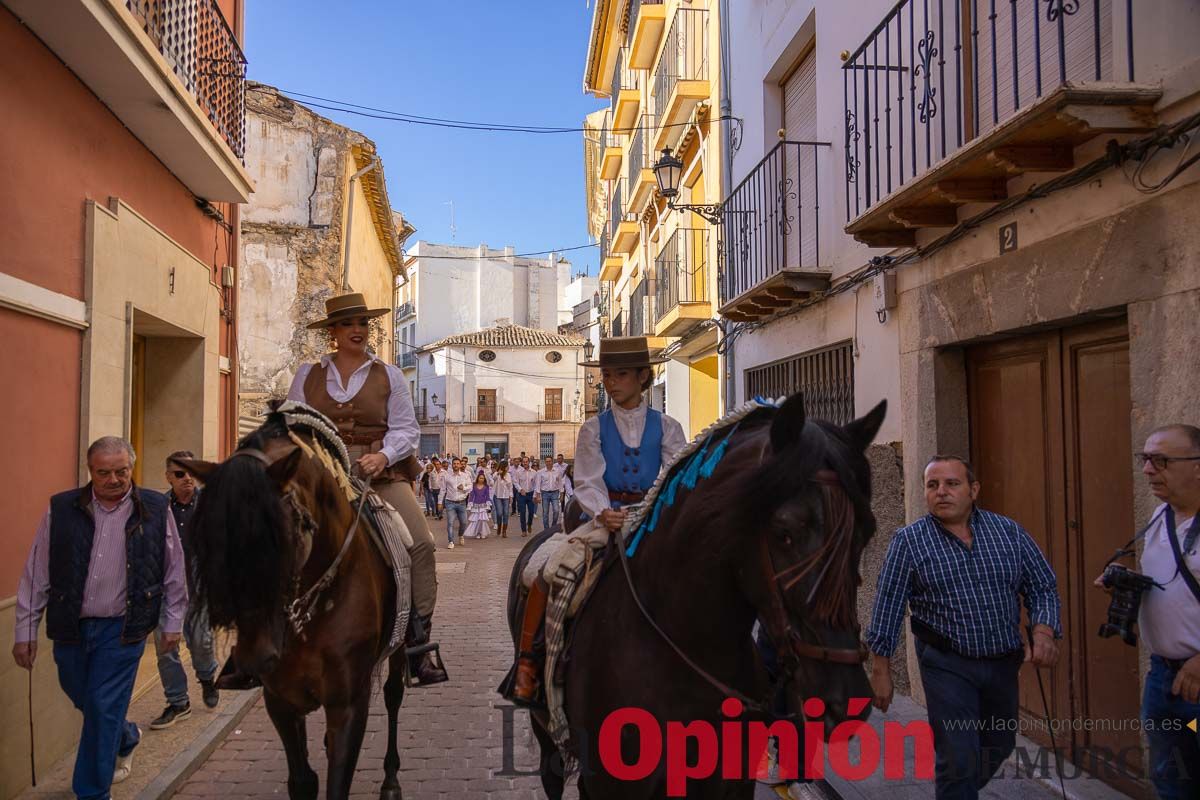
x=1180, y=565
x=1128, y=548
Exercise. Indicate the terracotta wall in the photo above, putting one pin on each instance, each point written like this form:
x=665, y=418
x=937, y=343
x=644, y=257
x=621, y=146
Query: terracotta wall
x=59, y=146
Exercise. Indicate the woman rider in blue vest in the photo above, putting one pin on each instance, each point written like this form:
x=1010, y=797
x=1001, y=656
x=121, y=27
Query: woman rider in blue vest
x=617, y=459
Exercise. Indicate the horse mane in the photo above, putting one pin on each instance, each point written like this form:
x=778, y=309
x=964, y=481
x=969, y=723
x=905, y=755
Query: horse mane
x=243, y=562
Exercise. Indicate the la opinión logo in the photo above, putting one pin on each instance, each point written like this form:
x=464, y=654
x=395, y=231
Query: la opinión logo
x=698, y=750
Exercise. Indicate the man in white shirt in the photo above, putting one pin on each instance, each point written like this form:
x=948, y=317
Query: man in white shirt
x=456, y=485
x=523, y=494
x=618, y=457
x=1169, y=618
x=547, y=486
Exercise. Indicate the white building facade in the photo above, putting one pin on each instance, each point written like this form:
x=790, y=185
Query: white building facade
x=502, y=390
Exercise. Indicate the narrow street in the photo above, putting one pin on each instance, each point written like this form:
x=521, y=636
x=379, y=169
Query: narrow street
x=451, y=735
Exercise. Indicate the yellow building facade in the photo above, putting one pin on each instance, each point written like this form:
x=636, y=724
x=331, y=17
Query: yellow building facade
x=659, y=65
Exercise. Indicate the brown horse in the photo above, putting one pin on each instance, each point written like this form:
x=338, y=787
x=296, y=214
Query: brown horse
x=774, y=534
x=270, y=522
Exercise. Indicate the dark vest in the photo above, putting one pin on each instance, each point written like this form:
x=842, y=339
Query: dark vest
x=363, y=420
x=72, y=531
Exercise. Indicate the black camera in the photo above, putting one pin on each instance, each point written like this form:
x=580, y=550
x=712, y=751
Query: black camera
x=1127, y=587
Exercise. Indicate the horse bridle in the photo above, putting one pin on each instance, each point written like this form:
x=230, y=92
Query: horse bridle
x=791, y=645
x=300, y=610
x=839, y=512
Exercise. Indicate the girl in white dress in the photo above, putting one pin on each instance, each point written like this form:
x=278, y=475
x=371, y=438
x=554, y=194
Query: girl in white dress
x=479, y=509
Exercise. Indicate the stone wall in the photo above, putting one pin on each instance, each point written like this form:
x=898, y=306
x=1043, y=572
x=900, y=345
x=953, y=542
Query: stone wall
x=887, y=502
x=292, y=240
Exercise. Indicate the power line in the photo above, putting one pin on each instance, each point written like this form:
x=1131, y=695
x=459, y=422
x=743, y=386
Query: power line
x=485, y=365
x=388, y=115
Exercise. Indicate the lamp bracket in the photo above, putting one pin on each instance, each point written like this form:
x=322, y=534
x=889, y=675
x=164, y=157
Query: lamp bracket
x=712, y=213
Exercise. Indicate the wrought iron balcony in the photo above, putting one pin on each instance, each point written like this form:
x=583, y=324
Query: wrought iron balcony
x=681, y=282
x=637, y=310
x=408, y=358
x=552, y=413
x=485, y=414
x=948, y=99
x=638, y=165
x=681, y=77
x=626, y=93
x=771, y=232
x=204, y=54
x=405, y=310
x=623, y=227
x=646, y=21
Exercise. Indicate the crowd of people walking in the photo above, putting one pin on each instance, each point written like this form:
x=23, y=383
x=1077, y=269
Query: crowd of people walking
x=480, y=500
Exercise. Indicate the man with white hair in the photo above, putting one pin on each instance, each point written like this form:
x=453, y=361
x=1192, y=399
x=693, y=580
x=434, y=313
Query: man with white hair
x=105, y=564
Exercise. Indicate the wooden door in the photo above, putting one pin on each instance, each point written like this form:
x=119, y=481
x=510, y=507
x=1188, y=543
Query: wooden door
x=486, y=409
x=554, y=408
x=1050, y=437
x=1015, y=390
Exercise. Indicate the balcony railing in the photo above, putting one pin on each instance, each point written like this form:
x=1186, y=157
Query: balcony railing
x=408, y=358
x=681, y=271
x=423, y=411
x=617, y=327
x=772, y=219
x=485, y=414
x=935, y=75
x=616, y=209
x=637, y=310
x=637, y=159
x=624, y=76
x=202, y=51
x=684, y=56
x=405, y=310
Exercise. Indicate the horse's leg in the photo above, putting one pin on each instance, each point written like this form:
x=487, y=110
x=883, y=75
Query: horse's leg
x=345, y=726
x=549, y=763
x=393, y=696
x=302, y=783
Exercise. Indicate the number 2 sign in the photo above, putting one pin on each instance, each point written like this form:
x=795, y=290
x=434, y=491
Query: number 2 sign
x=1008, y=238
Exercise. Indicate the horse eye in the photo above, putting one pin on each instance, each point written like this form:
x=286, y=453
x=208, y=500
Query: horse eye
x=787, y=540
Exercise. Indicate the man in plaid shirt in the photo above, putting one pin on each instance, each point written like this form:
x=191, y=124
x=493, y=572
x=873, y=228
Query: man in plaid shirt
x=959, y=570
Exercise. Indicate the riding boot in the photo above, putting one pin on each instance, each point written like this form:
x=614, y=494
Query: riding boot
x=529, y=661
x=425, y=664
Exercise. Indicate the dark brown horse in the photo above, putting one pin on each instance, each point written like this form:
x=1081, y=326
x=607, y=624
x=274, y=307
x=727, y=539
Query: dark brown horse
x=775, y=534
x=271, y=520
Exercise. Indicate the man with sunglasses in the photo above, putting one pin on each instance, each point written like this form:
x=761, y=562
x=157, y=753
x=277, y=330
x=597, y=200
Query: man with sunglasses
x=1169, y=618
x=182, y=499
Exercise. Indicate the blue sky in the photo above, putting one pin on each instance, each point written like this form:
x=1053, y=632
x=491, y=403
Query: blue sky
x=508, y=61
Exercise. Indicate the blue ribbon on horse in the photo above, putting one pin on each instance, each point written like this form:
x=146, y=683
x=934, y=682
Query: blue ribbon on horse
x=700, y=465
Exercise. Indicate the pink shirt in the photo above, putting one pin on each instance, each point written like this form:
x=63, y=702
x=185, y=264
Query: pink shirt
x=104, y=589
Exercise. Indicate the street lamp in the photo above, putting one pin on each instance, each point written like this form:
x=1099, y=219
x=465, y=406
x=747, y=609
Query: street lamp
x=588, y=349
x=667, y=172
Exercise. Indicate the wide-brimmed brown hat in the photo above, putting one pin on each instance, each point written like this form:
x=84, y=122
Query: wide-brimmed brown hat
x=624, y=352
x=347, y=306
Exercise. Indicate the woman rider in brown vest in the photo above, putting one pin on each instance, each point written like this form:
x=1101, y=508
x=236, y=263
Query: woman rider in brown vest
x=368, y=401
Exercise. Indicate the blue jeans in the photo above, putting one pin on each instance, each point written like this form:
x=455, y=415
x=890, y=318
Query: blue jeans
x=525, y=510
x=551, y=511
x=958, y=688
x=431, y=502
x=198, y=635
x=1174, y=750
x=502, y=506
x=455, y=509
x=97, y=673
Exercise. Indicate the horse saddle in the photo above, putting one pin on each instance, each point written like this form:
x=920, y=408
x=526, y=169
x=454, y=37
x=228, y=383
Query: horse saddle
x=393, y=540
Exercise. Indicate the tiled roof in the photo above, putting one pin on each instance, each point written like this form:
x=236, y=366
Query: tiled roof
x=509, y=336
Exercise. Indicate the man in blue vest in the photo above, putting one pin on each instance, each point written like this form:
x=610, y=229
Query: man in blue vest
x=105, y=564
x=617, y=458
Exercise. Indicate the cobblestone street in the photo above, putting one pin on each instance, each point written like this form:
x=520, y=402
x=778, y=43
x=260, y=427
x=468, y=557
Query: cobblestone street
x=450, y=735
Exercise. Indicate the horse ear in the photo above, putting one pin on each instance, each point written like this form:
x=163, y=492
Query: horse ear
x=862, y=430
x=200, y=470
x=283, y=469
x=788, y=423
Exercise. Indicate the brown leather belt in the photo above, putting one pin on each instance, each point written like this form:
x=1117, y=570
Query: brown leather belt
x=363, y=440
x=626, y=497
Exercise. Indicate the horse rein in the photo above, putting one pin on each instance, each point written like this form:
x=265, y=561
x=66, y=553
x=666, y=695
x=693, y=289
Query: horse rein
x=300, y=611
x=779, y=626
